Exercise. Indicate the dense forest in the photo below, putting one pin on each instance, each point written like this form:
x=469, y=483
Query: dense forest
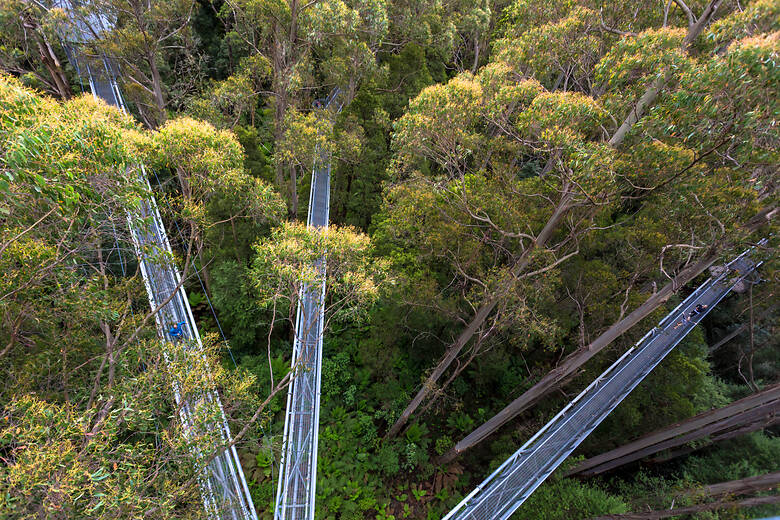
x=519, y=192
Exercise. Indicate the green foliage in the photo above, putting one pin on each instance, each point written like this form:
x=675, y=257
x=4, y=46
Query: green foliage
x=562, y=498
x=286, y=261
x=31, y=48
x=542, y=52
x=336, y=376
x=233, y=100
x=759, y=16
x=154, y=43
x=465, y=127
x=41, y=436
x=257, y=155
x=747, y=456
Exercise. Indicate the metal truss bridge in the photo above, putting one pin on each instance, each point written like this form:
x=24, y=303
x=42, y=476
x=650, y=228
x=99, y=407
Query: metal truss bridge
x=514, y=481
x=295, y=495
x=223, y=487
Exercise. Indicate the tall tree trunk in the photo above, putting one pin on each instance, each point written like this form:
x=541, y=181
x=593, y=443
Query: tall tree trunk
x=476, y=53
x=53, y=65
x=479, y=318
x=204, y=269
x=647, y=99
x=748, y=410
x=157, y=86
x=48, y=56
x=280, y=60
x=720, y=504
x=294, y=190
x=279, y=111
x=657, y=85
x=576, y=359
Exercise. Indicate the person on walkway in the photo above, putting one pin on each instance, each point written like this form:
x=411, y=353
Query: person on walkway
x=696, y=311
x=176, y=331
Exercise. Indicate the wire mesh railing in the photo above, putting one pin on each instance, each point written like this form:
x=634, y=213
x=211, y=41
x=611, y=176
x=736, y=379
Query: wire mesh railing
x=224, y=489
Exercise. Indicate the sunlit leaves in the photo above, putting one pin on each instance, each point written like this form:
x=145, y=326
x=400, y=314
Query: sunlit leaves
x=757, y=17
x=562, y=46
x=579, y=113
x=59, y=152
x=209, y=163
x=85, y=443
x=305, y=135
x=289, y=259
x=441, y=124
x=633, y=62
x=706, y=109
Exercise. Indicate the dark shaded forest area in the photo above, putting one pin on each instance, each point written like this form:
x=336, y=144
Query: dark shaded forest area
x=519, y=192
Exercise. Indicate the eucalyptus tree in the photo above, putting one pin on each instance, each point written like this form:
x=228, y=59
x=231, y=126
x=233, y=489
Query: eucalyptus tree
x=515, y=176
x=215, y=191
x=151, y=43
x=308, y=46
x=87, y=421
x=286, y=261
x=447, y=135
x=31, y=49
x=58, y=189
x=65, y=308
x=698, y=171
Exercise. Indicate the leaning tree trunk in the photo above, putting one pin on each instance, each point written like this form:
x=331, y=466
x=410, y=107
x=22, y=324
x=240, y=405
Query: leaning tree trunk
x=48, y=56
x=739, y=487
x=294, y=190
x=572, y=362
x=53, y=65
x=159, y=99
x=576, y=359
x=764, y=422
x=755, y=410
x=720, y=504
x=479, y=318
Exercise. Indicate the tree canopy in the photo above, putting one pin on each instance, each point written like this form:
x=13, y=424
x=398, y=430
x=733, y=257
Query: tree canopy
x=519, y=192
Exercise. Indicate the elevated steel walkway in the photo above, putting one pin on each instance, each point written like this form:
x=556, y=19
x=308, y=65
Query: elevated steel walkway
x=295, y=496
x=223, y=487
x=498, y=496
